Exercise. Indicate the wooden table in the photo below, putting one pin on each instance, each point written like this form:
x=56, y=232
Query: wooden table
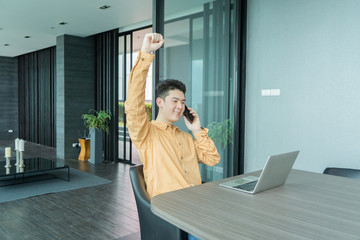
x=308, y=206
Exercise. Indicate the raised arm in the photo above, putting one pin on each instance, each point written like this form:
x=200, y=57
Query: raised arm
x=137, y=120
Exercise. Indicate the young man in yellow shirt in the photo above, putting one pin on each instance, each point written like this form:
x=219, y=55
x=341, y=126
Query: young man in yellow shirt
x=169, y=155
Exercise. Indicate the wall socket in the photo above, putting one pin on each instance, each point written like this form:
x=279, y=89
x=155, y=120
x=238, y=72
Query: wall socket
x=10, y=130
x=270, y=92
x=76, y=145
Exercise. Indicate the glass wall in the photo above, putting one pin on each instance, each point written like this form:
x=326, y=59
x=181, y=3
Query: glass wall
x=129, y=46
x=198, y=51
x=124, y=66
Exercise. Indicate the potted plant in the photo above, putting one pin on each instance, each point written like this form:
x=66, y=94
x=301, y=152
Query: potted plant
x=222, y=135
x=97, y=122
x=221, y=132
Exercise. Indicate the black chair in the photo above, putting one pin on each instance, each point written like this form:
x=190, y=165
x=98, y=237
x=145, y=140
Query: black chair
x=152, y=227
x=343, y=172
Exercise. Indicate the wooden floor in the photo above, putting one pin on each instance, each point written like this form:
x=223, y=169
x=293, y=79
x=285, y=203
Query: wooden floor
x=102, y=212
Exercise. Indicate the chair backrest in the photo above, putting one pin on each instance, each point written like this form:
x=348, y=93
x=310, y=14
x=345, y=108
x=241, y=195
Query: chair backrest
x=152, y=227
x=343, y=172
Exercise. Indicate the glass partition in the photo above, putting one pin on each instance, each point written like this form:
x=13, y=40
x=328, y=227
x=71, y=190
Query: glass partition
x=129, y=46
x=198, y=51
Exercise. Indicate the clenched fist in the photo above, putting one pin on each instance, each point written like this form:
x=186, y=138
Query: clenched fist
x=152, y=42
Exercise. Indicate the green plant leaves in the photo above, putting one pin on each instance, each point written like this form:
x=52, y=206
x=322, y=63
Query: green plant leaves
x=98, y=120
x=221, y=132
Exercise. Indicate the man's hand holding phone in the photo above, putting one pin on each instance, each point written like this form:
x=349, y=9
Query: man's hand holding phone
x=195, y=125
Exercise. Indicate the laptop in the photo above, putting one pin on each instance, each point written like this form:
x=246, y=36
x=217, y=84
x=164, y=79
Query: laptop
x=277, y=169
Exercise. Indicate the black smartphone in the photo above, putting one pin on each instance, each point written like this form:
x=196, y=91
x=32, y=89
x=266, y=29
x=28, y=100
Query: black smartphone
x=188, y=115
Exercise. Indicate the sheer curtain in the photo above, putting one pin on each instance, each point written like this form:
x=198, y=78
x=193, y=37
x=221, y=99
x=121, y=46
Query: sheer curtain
x=37, y=73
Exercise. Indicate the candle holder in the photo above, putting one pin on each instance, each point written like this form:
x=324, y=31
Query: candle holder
x=21, y=162
x=17, y=158
x=7, y=163
x=17, y=151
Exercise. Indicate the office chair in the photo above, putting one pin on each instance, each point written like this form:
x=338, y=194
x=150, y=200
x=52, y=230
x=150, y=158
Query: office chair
x=343, y=172
x=152, y=227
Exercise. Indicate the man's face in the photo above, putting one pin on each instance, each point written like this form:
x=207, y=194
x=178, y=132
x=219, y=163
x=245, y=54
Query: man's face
x=172, y=108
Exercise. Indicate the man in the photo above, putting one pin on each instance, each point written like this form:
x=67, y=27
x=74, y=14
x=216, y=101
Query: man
x=169, y=155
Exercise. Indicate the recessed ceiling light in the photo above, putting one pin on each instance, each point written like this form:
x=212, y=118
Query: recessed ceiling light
x=62, y=23
x=104, y=7
x=27, y=37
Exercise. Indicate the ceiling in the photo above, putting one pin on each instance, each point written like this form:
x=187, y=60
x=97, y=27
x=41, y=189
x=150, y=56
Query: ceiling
x=39, y=19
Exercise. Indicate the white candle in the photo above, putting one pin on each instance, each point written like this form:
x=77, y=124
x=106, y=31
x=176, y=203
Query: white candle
x=7, y=152
x=21, y=145
x=17, y=144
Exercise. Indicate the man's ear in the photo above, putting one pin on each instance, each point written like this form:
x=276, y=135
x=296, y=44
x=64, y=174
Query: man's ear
x=159, y=102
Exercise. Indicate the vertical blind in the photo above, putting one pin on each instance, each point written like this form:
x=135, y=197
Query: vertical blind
x=37, y=73
x=106, y=69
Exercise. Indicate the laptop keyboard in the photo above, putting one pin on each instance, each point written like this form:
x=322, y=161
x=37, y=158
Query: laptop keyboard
x=247, y=186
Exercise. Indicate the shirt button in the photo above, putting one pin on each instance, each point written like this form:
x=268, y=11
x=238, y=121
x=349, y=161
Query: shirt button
x=181, y=157
x=142, y=59
x=179, y=143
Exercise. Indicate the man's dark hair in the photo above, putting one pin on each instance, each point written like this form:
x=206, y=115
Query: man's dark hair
x=163, y=87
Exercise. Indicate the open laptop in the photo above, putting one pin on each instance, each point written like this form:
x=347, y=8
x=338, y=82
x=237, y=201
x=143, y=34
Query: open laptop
x=274, y=174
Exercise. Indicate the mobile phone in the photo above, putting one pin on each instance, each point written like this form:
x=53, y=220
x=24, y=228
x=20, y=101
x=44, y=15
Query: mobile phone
x=188, y=115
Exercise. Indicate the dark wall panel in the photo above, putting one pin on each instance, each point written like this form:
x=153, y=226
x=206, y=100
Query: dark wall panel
x=8, y=98
x=74, y=90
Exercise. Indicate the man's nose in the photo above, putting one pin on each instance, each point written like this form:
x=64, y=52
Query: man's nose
x=179, y=105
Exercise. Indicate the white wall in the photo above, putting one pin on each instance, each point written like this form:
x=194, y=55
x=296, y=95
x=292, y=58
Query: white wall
x=310, y=50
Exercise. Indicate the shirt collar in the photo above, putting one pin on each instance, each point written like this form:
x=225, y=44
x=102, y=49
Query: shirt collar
x=163, y=125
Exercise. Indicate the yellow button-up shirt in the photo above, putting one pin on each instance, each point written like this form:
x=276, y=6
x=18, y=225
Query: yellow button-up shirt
x=169, y=155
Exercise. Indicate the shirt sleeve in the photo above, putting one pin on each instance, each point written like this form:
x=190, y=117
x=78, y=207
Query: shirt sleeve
x=136, y=116
x=206, y=149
